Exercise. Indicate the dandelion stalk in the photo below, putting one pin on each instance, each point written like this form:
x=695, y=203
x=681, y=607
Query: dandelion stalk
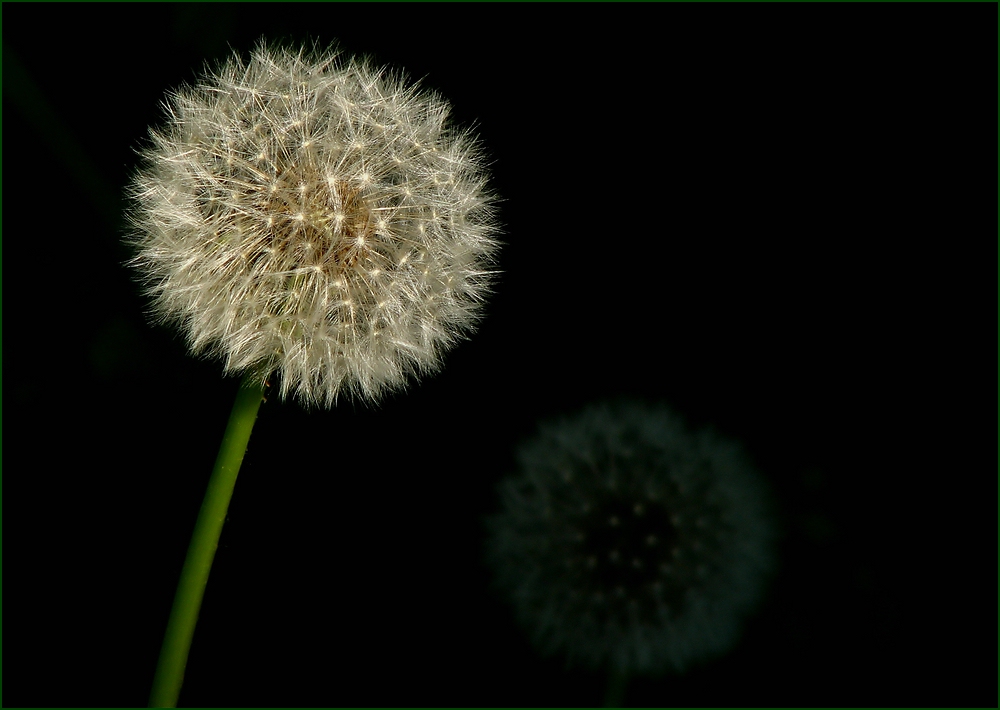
x=204, y=541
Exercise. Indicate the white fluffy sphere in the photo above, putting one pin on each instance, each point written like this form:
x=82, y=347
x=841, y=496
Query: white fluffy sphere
x=316, y=217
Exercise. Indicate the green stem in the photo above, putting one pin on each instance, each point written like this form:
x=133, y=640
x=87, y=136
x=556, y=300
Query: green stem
x=204, y=541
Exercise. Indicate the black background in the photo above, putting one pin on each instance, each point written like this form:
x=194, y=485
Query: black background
x=776, y=219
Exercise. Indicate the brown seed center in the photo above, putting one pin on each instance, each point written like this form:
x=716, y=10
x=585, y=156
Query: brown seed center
x=319, y=222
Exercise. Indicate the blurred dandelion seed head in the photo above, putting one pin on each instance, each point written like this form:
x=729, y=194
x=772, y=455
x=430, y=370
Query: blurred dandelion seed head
x=626, y=541
x=314, y=216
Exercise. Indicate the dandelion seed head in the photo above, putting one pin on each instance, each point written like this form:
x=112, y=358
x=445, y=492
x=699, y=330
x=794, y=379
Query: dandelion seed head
x=626, y=541
x=317, y=217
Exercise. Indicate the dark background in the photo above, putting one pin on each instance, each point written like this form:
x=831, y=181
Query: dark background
x=776, y=219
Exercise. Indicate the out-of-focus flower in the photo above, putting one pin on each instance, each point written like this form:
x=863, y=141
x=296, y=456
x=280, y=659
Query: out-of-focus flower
x=629, y=543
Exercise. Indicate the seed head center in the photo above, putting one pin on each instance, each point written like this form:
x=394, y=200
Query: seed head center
x=320, y=223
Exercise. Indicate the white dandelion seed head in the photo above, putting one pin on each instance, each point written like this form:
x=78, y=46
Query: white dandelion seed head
x=627, y=542
x=317, y=217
